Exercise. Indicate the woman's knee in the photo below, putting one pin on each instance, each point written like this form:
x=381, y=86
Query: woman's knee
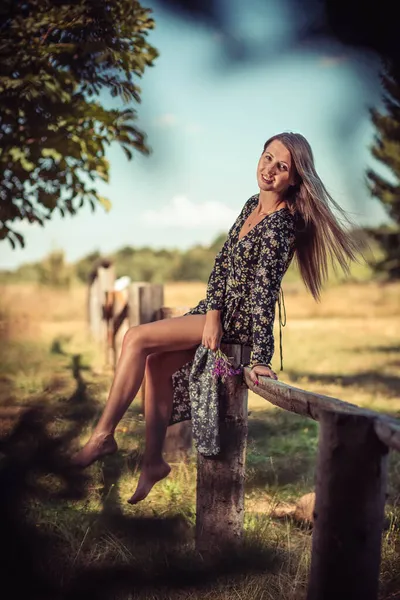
x=156, y=363
x=134, y=340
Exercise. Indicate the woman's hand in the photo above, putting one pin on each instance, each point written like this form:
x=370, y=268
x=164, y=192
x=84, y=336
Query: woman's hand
x=261, y=370
x=212, y=332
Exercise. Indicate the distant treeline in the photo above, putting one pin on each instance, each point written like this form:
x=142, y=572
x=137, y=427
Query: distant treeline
x=141, y=264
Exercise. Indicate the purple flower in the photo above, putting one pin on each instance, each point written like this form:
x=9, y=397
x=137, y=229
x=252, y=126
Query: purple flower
x=223, y=368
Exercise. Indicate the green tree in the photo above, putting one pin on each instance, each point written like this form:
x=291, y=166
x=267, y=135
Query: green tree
x=386, y=149
x=217, y=244
x=54, y=271
x=195, y=264
x=56, y=56
x=85, y=265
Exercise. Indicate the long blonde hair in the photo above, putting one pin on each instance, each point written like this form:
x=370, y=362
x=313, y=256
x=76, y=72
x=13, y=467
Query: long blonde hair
x=319, y=234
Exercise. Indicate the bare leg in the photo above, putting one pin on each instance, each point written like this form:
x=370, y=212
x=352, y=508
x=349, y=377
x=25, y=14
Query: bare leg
x=158, y=407
x=168, y=335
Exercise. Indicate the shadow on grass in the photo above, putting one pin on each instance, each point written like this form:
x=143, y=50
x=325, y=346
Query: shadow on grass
x=368, y=380
x=383, y=349
x=281, y=451
x=6, y=387
x=37, y=560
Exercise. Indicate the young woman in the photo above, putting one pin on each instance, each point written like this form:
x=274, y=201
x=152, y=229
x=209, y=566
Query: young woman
x=290, y=215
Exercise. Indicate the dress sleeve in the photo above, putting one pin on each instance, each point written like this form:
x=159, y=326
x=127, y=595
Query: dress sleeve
x=217, y=280
x=275, y=256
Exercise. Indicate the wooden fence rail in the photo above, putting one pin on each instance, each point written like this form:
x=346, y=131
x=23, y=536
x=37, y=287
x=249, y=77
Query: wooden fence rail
x=309, y=404
x=350, y=489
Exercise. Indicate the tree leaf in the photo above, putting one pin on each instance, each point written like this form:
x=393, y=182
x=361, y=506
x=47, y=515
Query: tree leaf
x=105, y=202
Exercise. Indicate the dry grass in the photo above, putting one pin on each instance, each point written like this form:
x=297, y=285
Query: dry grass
x=370, y=299
x=27, y=309
x=187, y=293
x=350, y=300
x=347, y=347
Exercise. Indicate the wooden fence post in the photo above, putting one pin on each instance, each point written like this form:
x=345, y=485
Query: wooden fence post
x=102, y=281
x=220, y=479
x=145, y=302
x=349, y=509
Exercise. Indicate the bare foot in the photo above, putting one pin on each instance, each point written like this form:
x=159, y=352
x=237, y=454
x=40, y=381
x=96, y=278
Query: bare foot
x=149, y=476
x=99, y=445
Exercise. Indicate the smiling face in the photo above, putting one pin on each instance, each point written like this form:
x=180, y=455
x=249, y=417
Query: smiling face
x=275, y=170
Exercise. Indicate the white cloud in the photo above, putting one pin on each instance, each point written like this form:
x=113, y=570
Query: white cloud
x=193, y=128
x=169, y=120
x=165, y=121
x=183, y=213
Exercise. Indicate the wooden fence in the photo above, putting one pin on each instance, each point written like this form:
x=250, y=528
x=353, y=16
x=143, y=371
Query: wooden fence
x=351, y=468
x=350, y=490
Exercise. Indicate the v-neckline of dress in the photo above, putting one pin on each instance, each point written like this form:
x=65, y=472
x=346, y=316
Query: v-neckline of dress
x=239, y=239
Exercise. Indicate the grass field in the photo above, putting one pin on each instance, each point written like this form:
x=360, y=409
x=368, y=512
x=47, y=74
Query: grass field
x=81, y=538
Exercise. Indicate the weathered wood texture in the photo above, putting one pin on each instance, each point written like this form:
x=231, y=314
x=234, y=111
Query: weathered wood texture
x=145, y=302
x=220, y=480
x=349, y=509
x=178, y=441
x=350, y=489
x=102, y=282
x=310, y=405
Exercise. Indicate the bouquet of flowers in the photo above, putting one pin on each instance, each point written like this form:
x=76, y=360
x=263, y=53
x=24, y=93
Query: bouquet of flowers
x=223, y=367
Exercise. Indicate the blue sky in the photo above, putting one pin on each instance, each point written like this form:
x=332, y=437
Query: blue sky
x=207, y=118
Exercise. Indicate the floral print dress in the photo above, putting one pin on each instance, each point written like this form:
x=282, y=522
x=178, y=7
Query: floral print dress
x=244, y=285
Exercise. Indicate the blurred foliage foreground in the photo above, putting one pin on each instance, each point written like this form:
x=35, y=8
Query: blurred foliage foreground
x=68, y=534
